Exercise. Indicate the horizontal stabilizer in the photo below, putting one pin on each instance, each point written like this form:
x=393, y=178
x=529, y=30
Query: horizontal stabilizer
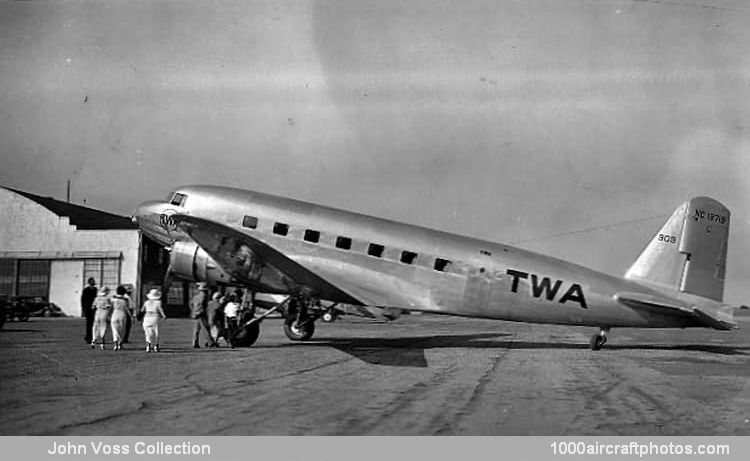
x=714, y=322
x=721, y=319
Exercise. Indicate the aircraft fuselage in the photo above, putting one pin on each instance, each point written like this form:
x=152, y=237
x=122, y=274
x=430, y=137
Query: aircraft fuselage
x=428, y=270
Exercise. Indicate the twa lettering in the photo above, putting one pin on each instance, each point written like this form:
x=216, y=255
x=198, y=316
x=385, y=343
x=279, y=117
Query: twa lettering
x=544, y=287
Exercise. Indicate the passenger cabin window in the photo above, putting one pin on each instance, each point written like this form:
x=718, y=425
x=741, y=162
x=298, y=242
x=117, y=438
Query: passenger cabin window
x=345, y=243
x=408, y=257
x=312, y=236
x=375, y=250
x=178, y=199
x=280, y=228
x=441, y=264
x=251, y=222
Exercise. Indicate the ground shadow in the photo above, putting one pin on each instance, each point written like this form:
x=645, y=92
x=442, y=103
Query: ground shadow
x=410, y=351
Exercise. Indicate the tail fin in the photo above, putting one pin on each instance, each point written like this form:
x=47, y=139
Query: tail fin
x=689, y=252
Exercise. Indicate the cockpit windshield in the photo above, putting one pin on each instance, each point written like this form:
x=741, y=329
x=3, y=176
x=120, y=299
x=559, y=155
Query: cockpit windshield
x=177, y=199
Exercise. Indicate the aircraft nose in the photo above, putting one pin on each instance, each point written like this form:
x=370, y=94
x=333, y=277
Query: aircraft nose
x=149, y=217
x=144, y=212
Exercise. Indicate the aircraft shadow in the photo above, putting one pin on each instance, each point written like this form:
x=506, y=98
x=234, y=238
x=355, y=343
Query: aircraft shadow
x=410, y=351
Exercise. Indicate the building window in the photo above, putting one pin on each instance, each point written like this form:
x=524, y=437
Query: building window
x=106, y=272
x=280, y=228
x=7, y=277
x=312, y=236
x=375, y=250
x=441, y=264
x=408, y=257
x=345, y=243
x=251, y=222
x=178, y=199
x=33, y=278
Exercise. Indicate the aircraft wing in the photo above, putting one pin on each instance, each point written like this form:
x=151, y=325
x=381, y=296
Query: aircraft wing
x=255, y=262
x=332, y=280
x=719, y=318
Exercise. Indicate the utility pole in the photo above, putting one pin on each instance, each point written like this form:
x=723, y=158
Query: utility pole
x=68, y=194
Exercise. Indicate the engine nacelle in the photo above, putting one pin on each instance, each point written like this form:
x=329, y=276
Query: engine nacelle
x=191, y=262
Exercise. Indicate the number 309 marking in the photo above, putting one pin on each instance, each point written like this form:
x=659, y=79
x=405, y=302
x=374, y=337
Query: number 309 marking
x=667, y=238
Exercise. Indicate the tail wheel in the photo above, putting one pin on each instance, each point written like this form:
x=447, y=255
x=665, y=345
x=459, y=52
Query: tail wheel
x=597, y=341
x=299, y=331
x=246, y=336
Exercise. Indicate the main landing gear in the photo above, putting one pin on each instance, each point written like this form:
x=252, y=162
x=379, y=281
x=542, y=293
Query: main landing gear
x=299, y=325
x=299, y=322
x=598, y=340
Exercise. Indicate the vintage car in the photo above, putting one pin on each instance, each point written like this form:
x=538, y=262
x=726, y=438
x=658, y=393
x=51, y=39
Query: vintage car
x=22, y=307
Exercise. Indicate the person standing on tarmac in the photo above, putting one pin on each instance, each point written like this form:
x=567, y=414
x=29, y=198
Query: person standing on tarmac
x=199, y=313
x=103, y=308
x=120, y=316
x=152, y=315
x=231, y=312
x=215, y=317
x=130, y=318
x=87, y=300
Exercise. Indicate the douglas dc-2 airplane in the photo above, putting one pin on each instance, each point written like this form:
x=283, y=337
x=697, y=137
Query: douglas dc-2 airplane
x=309, y=253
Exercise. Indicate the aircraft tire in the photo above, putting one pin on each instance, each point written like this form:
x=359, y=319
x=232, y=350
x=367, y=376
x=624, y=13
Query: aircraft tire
x=597, y=341
x=299, y=333
x=328, y=317
x=247, y=336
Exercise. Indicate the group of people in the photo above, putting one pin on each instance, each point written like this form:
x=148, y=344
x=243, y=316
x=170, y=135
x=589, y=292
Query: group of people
x=219, y=315
x=102, y=310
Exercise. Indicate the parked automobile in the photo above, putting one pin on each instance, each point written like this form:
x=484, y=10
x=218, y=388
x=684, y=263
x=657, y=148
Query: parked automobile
x=15, y=310
x=3, y=301
x=37, y=306
x=22, y=307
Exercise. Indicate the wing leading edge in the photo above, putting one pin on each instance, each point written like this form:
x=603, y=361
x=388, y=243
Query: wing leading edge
x=255, y=262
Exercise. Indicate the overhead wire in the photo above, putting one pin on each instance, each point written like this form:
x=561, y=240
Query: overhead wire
x=588, y=229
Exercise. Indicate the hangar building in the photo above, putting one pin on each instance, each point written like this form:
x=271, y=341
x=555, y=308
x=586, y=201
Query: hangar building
x=49, y=248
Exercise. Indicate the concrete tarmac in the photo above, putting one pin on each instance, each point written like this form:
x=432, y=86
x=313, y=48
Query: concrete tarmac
x=420, y=375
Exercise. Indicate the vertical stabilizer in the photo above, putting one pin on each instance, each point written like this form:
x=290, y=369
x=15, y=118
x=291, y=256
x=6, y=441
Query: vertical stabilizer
x=689, y=252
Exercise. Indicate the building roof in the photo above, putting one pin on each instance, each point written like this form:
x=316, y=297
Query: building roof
x=80, y=216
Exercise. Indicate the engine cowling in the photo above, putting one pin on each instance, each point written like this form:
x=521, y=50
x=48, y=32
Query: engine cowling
x=191, y=262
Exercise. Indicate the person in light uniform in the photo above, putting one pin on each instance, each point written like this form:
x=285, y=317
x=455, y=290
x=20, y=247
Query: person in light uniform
x=152, y=315
x=120, y=314
x=103, y=309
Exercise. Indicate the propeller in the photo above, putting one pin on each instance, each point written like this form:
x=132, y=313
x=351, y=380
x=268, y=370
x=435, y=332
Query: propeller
x=165, y=284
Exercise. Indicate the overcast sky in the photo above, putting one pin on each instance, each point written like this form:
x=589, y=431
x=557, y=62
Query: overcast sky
x=568, y=127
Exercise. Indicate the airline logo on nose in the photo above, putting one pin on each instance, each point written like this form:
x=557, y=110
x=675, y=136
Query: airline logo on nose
x=166, y=221
x=543, y=286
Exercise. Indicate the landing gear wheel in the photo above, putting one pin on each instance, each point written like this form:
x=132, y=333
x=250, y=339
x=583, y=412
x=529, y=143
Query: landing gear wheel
x=597, y=341
x=301, y=331
x=328, y=317
x=245, y=336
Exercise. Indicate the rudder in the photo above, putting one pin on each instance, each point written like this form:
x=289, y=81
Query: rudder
x=689, y=252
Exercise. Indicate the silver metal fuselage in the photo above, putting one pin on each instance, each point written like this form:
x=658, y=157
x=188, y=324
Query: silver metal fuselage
x=482, y=279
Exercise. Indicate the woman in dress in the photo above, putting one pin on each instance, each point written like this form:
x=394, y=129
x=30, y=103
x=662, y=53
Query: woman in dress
x=103, y=307
x=152, y=314
x=120, y=314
